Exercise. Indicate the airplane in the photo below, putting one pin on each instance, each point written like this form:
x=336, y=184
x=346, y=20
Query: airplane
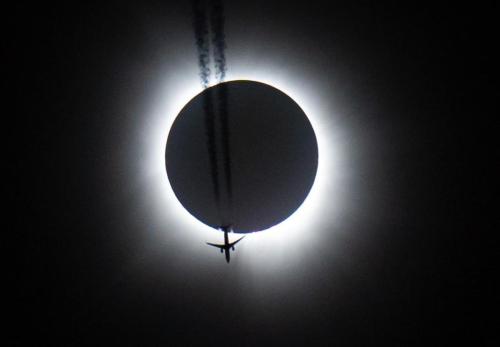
x=226, y=247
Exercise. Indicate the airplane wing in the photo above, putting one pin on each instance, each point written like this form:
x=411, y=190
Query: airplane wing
x=214, y=245
x=235, y=242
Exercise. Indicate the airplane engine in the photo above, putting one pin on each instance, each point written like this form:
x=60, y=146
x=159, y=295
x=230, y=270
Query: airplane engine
x=232, y=248
x=221, y=250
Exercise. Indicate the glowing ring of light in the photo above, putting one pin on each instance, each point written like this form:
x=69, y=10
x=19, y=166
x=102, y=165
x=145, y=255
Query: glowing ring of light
x=321, y=201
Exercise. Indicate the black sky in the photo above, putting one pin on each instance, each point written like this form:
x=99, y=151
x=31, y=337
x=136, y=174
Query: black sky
x=412, y=85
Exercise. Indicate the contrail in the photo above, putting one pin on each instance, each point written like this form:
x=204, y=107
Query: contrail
x=211, y=144
x=200, y=27
x=225, y=140
x=202, y=35
x=219, y=47
x=218, y=38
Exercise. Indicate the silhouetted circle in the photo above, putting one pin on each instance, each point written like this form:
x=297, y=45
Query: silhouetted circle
x=273, y=156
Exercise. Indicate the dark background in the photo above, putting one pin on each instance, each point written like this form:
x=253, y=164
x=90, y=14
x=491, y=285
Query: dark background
x=416, y=280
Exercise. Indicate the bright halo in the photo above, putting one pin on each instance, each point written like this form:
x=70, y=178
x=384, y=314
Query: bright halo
x=288, y=236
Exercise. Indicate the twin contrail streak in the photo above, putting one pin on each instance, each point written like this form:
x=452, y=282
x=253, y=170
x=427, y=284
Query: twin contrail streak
x=202, y=35
x=219, y=46
x=218, y=38
x=211, y=143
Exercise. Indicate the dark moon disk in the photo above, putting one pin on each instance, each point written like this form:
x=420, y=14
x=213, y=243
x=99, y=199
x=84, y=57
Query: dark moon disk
x=241, y=153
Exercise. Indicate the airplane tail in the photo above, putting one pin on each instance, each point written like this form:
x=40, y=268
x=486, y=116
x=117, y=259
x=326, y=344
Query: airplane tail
x=226, y=228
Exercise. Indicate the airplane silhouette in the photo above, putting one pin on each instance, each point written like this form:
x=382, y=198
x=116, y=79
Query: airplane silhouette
x=226, y=247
